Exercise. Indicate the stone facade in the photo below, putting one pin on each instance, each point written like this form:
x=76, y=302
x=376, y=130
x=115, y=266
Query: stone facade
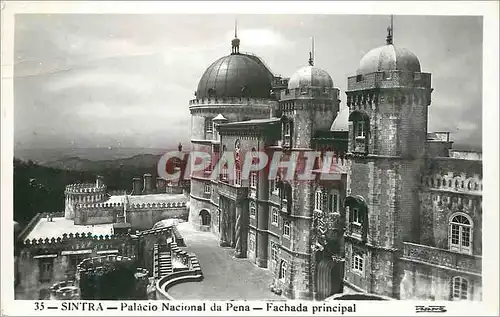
x=380, y=223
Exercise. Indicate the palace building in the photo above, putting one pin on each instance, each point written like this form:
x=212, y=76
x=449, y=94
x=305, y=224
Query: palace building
x=400, y=214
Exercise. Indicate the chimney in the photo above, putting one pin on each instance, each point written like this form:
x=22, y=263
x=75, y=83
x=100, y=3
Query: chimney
x=136, y=186
x=99, y=181
x=161, y=184
x=147, y=184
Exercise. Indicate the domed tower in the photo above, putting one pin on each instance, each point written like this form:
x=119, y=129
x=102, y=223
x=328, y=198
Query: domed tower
x=307, y=107
x=83, y=194
x=388, y=100
x=235, y=87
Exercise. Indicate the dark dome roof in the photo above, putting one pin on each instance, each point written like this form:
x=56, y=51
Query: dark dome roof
x=387, y=58
x=236, y=75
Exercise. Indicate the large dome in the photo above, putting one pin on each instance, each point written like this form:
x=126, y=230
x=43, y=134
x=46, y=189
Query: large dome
x=236, y=75
x=387, y=58
x=310, y=76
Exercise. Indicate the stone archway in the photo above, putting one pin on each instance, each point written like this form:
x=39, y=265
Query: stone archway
x=205, y=218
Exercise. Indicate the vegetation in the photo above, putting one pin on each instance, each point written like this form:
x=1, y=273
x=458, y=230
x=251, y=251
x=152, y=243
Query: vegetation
x=41, y=189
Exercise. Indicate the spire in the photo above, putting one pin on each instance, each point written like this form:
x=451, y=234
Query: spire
x=235, y=43
x=311, y=53
x=390, y=30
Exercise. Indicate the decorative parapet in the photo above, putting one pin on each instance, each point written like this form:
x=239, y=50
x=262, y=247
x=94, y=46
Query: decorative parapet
x=191, y=274
x=454, y=183
x=233, y=192
x=84, y=188
x=72, y=242
x=230, y=101
x=155, y=231
x=470, y=264
x=65, y=290
x=158, y=205
x=99, y=206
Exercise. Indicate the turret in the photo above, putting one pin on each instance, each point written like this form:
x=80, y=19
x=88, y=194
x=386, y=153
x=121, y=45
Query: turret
x=148, y=185
x=136, y=186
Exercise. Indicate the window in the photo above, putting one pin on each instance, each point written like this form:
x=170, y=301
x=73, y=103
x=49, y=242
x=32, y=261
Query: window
x=237, y=180
x=46, y=270
x=253, y=209
x=224, y=173
x=318, y=200
x=251, y=243
x=274, y=252
x=283, y=269
x=360, y=129
x=460, y=235
x=253, y=179
x=275, y=186
x=358, y=260
x=359, y=78
x=356, y=216
x=207, y=188
x=333, y=202
x=286, y=228
x=275, y=216
x=286, y=133
x=209, y=126
x=460, y=288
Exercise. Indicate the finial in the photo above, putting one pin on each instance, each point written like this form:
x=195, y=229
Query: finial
x=311, y=53
x=389, y=39
x=235, y=43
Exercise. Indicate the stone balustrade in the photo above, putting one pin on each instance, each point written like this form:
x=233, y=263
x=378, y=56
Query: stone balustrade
x=231, y=191
x=440, y=257
x=452, y=182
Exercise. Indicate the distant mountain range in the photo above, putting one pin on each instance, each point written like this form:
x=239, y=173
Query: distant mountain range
x=80, y=164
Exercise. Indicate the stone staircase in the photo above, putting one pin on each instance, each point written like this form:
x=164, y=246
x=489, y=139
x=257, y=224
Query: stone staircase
x=164, y=263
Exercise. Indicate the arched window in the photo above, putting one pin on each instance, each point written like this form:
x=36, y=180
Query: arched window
x=460, y=288
x=460, y=233
x=209, y=126
x=283, y=269
x=286, y=228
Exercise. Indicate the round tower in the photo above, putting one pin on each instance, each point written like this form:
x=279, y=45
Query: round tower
x=235, y=87
x=83, y=194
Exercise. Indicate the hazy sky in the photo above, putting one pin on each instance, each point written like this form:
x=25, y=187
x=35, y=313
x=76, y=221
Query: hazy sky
x=88, y=80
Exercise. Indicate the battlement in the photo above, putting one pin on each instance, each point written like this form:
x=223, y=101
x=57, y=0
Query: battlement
x=456, y=183
x=100, y=206
x=66, y=239
x=155, y=231
x=158, y=205
x=84, y=188
x=231, y=101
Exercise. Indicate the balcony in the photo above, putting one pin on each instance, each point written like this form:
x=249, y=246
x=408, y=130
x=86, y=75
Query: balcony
x=440, y=257
x=231, y=191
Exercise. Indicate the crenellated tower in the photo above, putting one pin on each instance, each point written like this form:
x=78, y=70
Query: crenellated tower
x=388, y=101
x=85, y=193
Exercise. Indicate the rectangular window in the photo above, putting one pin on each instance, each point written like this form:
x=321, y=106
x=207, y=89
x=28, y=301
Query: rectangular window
x=275, y=216
x=253, y=179
x=274, y=187
x=237, y=180
x=274, y=252
x=359, y=78
x=209, y=126
x=251, y=242
x=318, y=200
x=207, y=188
x=333, y=202
x=360, y=129
x=356, y=216
x=358, y=260
x=46, y=270
x=286, y=228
